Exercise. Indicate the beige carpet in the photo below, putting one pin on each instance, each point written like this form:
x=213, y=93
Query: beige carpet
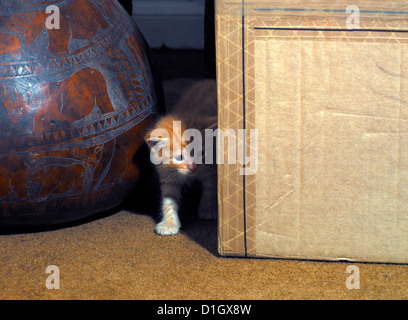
x=120, y=257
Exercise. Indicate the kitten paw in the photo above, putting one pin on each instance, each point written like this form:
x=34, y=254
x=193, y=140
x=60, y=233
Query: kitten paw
x=167, y=228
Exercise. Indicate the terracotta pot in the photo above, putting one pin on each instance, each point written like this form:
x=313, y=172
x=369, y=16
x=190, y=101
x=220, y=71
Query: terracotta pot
x=74, y=106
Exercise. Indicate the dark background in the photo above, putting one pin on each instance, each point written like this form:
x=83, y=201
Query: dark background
x=209, y=44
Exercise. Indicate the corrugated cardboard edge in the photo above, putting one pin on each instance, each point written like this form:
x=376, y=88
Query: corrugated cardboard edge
x=235, y=76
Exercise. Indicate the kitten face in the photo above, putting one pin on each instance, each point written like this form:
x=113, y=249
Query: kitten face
x=168, y=148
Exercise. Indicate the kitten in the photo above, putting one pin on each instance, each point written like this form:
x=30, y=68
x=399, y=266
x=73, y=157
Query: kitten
x=197, y=108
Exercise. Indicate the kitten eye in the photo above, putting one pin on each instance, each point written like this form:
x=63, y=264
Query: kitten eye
x=179, y=158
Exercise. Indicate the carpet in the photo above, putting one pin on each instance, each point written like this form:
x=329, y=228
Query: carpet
x=120, y=257
x=117, y=255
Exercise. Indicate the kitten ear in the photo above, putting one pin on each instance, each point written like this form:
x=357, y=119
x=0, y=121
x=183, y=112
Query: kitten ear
x=152, y=140
x=157, y=136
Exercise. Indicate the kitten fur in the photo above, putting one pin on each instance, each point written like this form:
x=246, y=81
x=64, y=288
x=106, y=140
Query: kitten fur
x=197, y=108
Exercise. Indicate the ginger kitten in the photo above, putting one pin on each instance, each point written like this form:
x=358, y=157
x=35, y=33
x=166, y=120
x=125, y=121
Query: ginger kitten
x=178, y=167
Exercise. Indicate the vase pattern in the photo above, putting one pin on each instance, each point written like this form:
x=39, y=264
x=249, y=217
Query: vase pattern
x=74, y=105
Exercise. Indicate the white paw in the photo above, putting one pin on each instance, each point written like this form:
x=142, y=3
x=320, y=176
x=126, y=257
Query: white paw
x=168, y=228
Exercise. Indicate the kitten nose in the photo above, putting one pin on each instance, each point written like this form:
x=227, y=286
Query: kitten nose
x=192, y=167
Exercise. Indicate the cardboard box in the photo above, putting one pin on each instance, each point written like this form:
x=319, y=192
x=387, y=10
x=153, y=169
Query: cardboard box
x=330, y=104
